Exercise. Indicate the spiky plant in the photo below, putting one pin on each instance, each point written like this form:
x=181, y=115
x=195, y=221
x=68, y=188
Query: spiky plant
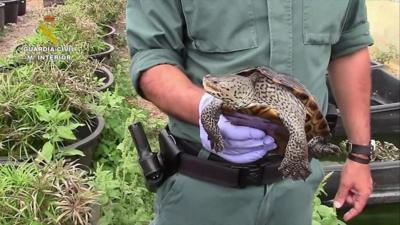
x=58, y=193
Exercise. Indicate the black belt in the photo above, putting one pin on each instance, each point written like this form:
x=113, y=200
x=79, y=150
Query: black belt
x=219, y=171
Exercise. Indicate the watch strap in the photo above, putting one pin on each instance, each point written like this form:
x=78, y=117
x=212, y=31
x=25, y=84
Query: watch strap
x=358, y=159
x=360, y=149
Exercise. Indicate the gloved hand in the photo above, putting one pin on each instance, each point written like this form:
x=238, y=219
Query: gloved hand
x=241, y=144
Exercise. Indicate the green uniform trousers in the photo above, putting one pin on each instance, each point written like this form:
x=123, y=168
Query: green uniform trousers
x=182, y=200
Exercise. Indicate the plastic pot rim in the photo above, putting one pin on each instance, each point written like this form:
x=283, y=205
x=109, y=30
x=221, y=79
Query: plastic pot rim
x=110, y=33
x=110, y=48
x=7, y=1
x=110, y=81
x=93, y=135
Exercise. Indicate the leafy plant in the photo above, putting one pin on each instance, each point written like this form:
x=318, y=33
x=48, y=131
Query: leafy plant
x=58, y=193
x=41, y=103
x=124, y=199
x=101, y=11
x=322, y=214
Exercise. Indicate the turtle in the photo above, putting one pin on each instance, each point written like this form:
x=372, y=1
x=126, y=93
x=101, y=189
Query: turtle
x=279, y=98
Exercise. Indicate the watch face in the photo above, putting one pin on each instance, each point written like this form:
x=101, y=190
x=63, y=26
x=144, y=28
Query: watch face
x=373, y=146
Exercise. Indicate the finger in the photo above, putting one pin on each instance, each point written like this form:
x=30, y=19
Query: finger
x=234, y=132
x=251, y=156
x=359, y=203
x=350, y=199
x=267, y=141
x=341, y=195
x=255, y=122
x=241, y=116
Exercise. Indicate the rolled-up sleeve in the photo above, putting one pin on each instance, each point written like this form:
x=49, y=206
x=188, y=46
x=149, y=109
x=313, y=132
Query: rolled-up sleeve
x=355, y=34
x=154, y=35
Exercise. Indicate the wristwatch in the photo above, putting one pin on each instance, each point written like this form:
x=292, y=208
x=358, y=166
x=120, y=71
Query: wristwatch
x=360, y=149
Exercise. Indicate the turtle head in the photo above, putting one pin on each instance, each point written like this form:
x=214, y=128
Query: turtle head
x=234, y=90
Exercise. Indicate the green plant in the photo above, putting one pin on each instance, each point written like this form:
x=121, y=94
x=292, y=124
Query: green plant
x=101, y=11
x=322, y=214
x=58, y=128
x=124, y=199
x=40, y=105
x=385, y=56
x=57, y=193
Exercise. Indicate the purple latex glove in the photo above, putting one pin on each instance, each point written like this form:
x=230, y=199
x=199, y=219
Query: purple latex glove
x=242, y=144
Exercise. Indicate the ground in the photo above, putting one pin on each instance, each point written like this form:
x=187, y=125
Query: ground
x=26, y=25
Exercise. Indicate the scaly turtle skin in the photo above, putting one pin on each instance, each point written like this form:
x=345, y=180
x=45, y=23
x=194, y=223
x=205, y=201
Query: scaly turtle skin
x=279, y=98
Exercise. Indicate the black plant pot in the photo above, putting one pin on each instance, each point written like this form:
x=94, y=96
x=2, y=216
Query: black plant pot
x=385, y=108
x=109, y=33
x=105, y=55
x=11, y=10
x=88, y=140
x=21, y=7
x=104, y=73
x=386, y=176
x=2, y=17
x=375, y=64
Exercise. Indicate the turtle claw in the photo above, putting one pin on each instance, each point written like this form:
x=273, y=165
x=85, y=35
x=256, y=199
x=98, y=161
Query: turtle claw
x=319, y=147
x=295, y=170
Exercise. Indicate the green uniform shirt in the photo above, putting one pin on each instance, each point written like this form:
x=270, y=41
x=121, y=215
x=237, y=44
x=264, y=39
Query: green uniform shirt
x=297, y=38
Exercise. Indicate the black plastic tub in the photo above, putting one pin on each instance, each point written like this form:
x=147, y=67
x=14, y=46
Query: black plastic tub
x=21, y=7
x=385, y=108
x=386, y=176
x=105, y=55
x=2, y=16
x=108, y=78
x=11, y=11
x=109, y=33
x=88, y=138
x=375, y=64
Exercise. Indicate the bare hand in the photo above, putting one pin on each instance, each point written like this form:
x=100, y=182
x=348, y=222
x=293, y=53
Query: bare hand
x=355, y=188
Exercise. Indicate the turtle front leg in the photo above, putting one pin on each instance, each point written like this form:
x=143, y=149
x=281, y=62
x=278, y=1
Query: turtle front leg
x=318, y=146
x=295, y=164
x=209, y=119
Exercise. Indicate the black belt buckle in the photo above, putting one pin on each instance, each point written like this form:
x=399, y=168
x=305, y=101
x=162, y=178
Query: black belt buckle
x=249, y=175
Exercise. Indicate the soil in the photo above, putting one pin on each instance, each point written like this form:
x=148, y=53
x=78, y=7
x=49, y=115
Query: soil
x=25, y=26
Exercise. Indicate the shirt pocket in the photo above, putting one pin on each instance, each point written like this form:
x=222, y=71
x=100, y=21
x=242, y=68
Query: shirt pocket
x=323, y=21
x=220, y=26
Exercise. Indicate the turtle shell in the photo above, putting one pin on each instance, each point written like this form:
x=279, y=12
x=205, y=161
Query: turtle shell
x=315, y=124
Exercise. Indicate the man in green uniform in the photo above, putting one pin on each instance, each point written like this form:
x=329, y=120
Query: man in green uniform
x=174, y=43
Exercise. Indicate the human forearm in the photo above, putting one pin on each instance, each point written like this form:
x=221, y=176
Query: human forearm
x=168, y=88
x=351, y=84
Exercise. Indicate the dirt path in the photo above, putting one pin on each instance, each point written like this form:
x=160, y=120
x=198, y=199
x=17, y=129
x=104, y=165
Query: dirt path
x=25, y=26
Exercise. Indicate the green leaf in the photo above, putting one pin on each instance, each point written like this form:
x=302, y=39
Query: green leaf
x=43, y=114
x=72, y=152
x=63, y=116
x=325, y=211
x=330, y=221
x=65, y=133
x=47, y=152
x=73, y=126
